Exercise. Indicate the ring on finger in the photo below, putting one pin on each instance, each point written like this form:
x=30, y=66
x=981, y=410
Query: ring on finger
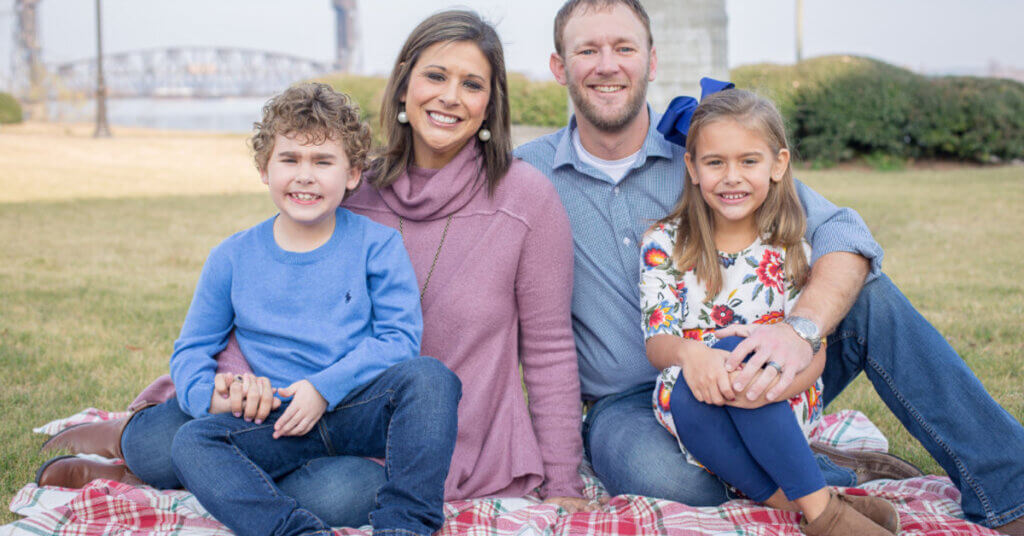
x=238, y=377
x=774, y=365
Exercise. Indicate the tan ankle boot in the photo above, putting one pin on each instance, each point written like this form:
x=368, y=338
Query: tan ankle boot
x=75, y=472
x=877, y=509
x=840, y=519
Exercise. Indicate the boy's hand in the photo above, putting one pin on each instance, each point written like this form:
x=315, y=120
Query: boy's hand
x=305, y=410
x=245, y=396
x=705, y=375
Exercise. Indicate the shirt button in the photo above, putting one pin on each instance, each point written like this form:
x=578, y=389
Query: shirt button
x=615, y=190
x=627, y=241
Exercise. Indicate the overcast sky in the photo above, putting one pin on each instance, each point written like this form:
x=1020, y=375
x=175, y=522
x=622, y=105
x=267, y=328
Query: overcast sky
x=926, y=35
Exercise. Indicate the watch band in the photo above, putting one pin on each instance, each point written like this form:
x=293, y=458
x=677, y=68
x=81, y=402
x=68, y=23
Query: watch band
x=807, y=330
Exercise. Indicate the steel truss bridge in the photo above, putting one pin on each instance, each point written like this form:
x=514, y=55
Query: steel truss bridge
x=190, y=72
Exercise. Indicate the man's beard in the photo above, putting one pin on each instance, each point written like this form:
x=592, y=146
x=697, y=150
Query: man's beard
x=614, y=123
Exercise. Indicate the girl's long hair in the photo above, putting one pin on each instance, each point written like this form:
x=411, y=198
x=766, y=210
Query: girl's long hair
x=444, y=27
x=780, y=220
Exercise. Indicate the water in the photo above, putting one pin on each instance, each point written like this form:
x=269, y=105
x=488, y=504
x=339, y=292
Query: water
x=226, y=115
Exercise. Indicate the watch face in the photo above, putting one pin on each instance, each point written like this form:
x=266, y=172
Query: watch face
x=807, y=330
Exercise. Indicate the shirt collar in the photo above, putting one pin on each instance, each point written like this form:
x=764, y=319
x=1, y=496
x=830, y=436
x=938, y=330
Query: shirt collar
x=655, y=145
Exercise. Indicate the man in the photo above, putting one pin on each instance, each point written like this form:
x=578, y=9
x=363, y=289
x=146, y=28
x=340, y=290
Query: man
x=617, y=175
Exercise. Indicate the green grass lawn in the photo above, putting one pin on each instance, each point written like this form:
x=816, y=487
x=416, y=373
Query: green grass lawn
x=93, y=291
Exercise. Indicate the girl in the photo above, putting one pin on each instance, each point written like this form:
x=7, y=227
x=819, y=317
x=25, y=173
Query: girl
x=732, y=251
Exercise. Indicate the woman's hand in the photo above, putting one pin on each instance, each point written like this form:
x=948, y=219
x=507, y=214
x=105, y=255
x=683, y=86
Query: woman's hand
x=573, y=504
x=305, y=410
x=244, y=395
x=705, y=375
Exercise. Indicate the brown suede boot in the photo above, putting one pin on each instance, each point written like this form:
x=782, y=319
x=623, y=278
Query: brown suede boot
x=877, y=509
x=868, y=465
x=75, y=472
x=840, y=519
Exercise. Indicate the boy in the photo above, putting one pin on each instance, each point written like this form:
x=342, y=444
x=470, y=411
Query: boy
x=324, y=304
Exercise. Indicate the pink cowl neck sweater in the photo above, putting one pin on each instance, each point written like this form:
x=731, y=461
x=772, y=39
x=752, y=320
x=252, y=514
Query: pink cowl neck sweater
x=499, y=296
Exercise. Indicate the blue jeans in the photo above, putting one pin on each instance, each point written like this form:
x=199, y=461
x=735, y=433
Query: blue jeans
x=936, y=396
x=340, y=490
x=914, y=370
x=756, y=450
x=230, y=465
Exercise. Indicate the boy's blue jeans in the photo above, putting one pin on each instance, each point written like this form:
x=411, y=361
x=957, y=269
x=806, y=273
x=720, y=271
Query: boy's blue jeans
x=408, y=415
x=756, y=450
x=915, y=372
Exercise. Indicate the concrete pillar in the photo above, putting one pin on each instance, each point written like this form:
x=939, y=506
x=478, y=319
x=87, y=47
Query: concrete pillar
x=691, y=39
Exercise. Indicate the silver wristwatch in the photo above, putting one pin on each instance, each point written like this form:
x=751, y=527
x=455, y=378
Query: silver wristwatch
x=807, y=330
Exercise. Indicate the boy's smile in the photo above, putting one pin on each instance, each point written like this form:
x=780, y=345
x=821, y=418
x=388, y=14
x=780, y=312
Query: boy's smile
x=307, y=183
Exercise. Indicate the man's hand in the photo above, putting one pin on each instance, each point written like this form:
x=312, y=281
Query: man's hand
x=245, y=396
x=705, y=374
x=573, y=504
x=305, y=410
x=776, y=343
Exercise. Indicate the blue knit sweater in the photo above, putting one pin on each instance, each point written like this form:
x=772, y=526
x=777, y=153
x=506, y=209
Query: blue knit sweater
x=337, y=316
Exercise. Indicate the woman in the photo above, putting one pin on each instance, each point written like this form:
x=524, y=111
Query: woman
x=491, y=245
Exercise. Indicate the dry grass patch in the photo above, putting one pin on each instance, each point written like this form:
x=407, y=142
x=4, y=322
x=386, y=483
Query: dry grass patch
x=46, y=162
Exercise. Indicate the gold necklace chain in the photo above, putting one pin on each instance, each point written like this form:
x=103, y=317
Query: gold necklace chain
x=444, y=234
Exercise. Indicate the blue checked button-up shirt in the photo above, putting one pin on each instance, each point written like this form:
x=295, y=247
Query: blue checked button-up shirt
x=608, y=222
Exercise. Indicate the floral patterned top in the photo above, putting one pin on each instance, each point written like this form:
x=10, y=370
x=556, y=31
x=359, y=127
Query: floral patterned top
x=754, y=291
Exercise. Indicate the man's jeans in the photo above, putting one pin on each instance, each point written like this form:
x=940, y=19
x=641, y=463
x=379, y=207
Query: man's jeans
x=915, y=371
x=407, y=416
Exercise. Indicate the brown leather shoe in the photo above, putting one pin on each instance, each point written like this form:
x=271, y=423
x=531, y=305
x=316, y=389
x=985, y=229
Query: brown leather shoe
x=877, y=509
x=1013, y=528
x=840, y=519
x=102, y=438
x=75, y=472
x=869, y=465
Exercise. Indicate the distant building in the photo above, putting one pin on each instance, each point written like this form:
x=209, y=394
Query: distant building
x=691, y=37
x=995, y=70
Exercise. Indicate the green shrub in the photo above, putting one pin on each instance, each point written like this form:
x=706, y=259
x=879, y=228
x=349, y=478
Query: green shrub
x=10, y=110
x=838, y=108
x=531, y=102
x=536, y=103
x=366, y=90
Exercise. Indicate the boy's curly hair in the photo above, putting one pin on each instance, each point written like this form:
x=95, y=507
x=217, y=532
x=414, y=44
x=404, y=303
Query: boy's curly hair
x=314, y=112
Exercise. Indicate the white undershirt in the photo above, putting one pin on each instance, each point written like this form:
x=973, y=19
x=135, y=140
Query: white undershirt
x=616, y=169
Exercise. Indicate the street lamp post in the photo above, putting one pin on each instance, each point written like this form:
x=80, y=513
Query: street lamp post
x=102, y=128
x=799, y=30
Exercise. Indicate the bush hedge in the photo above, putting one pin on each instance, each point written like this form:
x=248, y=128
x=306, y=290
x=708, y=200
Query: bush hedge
x=10, y=110
x=842, y=107
x=531, y=102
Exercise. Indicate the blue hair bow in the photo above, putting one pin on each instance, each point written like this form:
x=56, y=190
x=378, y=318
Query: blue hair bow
x=676, y=122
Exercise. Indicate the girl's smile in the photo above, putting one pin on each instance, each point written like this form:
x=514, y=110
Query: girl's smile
x=734, y=168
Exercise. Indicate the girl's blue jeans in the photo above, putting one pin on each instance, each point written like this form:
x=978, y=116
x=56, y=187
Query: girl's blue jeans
x=756, y=450
x=255, y=484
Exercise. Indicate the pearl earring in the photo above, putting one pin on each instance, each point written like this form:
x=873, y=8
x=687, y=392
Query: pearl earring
x=484, y=135
x=403, y=118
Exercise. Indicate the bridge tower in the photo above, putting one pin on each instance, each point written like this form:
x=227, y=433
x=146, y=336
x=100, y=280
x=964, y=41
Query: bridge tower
x=691, y=39
x=29, y=75
x=347, y=35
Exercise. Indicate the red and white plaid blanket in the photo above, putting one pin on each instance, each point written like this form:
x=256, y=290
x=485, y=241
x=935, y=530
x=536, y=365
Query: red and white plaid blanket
x=927, y=505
